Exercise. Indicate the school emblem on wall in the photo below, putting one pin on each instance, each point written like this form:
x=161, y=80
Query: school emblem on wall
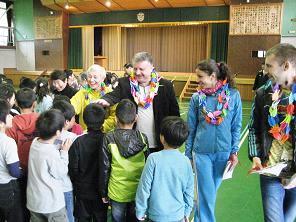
x=140, y=16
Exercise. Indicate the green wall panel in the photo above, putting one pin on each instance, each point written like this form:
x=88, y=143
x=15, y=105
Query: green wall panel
x=171, y=15
x=190, y=14
x=23, y=19
x=153, y=15
x=289, y=13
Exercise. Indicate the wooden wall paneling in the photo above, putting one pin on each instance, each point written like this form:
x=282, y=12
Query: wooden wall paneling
x=65, y=26
x=55, y=58
x=245, y=91
x=240, y=52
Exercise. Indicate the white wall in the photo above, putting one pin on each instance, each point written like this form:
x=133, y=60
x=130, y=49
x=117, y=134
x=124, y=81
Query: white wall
x=291, y=40
x=25, y=55
x=7, y=59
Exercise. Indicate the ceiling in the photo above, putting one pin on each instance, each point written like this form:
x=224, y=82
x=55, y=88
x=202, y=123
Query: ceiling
x=91, y=6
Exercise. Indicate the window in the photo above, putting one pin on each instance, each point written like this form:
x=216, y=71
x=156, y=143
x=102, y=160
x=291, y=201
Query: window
x=258, y=54
x=6, y=25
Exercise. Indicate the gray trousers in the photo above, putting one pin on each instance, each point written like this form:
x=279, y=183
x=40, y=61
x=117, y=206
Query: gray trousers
x=59, y=216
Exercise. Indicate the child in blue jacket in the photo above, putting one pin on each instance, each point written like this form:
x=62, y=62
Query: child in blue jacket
x=165, y=191
x=214, y=120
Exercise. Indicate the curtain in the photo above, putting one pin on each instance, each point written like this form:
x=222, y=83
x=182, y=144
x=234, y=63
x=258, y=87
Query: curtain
x=174, y=49
x=75, y=48
x=183, y=47
x=144, y=39
x=219, y=41
x=87, y=46
x=123, y=57
x=111, y=41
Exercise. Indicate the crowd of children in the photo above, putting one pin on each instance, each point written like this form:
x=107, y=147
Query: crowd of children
x=51, y=171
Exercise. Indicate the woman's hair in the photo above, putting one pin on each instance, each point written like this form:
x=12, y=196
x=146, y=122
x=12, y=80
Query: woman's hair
x=221, y=69
x=97, y=69
x=42, y=88
x=58, y=75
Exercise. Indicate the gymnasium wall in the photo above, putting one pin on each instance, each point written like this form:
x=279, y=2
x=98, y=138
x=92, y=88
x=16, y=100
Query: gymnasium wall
x=7, y=58
x=24, y=34
x=38, y=54
x=240, y=52
x=240, y=47
x=289, y=25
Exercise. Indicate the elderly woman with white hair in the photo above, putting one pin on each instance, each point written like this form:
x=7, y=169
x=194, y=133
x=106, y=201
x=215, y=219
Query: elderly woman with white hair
x=95, y=90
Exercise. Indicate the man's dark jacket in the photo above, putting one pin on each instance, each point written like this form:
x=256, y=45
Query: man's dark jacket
x=164, y=103
x=260, y=140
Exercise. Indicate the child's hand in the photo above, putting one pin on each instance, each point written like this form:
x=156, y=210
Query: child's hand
x=105, y=200
x=102, y=102
x=257, y=164
x=66, y=145
x=142, y=218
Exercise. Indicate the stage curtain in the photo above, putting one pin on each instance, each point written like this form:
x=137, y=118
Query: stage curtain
x=75, y=49
x=183, y=47
x=144, y=39
x=123, y=57
x=219, y=41
x=111, y=41
x=87, y=46
x=174, y=49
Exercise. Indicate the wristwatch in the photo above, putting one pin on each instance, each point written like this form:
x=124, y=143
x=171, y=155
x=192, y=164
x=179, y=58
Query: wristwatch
x=235, y=153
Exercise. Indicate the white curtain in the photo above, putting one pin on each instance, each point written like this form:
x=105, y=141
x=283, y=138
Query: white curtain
x=111, y=41
x=87, y=46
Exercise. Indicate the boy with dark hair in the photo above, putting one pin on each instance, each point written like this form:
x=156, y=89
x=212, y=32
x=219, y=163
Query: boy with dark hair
x=167, y=177
x=128, y=69
x=26, y=82
x=123, y=158
x=76, y=128
x=10, y=201
x=69, y=113
x=47, y=167
x=83, y=167
x=60, y=84
x=23, y=132
x=23, y=125
x=7, y=93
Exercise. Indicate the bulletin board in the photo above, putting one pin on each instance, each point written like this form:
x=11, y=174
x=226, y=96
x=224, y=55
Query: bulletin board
x=48, y=27
x=256, y=19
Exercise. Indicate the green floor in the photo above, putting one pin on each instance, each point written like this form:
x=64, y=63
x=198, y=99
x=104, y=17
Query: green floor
x=238, y=198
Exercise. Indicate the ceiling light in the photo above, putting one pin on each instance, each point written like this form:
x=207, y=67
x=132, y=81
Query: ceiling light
x=156, y=0
x=51, y=12
x=67, y=6
x=108, y=4
x=248, y=1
